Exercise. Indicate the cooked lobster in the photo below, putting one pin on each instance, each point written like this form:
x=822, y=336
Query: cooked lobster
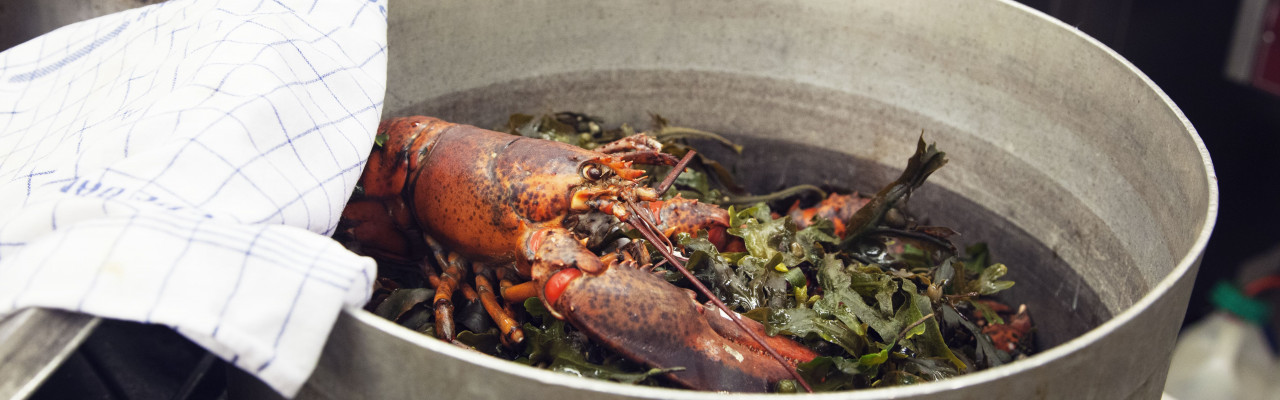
x=501, y=206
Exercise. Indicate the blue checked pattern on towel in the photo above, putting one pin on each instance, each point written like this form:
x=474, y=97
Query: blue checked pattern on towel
x=184, y=164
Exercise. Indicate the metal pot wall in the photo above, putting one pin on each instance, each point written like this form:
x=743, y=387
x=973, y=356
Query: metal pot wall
x=1080, y=173
x=26, y=19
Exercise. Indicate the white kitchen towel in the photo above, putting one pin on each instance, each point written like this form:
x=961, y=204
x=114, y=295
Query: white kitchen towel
x=184, y=164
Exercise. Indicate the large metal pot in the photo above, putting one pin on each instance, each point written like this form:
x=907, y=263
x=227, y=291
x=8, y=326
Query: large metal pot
x=1079, y=171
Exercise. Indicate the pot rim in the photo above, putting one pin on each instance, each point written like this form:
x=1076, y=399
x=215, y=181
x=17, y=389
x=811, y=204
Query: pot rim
x=1157, y=292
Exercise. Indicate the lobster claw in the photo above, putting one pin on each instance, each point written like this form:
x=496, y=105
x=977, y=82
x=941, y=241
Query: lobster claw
x=679, y=214
x=645, y=318
x=557, y=258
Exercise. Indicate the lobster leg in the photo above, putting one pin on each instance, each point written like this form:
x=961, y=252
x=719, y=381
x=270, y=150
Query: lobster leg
x=450, y=280
x=836, y=207
x=630, y=144
x=681, y=215
x=639, y=149
x=518, y=293
x=453, y=271
x=511, y=293
x=511, y=332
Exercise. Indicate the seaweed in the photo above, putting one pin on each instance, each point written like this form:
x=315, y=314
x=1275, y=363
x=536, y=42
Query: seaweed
x=883, y=299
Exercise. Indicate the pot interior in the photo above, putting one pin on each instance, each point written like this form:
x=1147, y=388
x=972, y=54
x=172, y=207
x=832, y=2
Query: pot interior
x=1077, y=171
x=797, y=134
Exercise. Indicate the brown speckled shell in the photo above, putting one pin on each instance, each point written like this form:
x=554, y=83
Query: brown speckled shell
x=477, y=190
x=653, y=322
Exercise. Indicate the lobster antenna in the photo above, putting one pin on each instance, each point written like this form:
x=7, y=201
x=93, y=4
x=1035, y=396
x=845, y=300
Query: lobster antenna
x=675, y=172
x=645, y=227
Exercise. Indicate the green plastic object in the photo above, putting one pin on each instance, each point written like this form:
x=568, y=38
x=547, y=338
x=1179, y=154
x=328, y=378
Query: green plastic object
x=1227, y=297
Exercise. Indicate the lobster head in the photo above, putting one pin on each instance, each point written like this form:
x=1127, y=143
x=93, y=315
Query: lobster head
x=608, y=184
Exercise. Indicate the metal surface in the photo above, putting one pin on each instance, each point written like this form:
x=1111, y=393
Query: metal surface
x=34, y=342
x=26, y=19
x=1070, y=145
